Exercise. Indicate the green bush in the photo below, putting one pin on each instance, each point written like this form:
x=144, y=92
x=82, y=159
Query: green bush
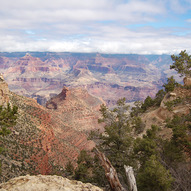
x=153, y=176
x=171, y=84
x=170, y=104
x=8, y=118
x=138, y=125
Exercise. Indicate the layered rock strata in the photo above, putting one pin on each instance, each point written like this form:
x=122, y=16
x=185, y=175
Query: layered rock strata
x=39, y=75
x=45, y=140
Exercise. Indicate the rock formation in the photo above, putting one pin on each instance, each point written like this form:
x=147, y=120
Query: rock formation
x=159, y=115
x=4, y=91
x=39, y=75
x=79, y=109
x=46, y=183
x=44, y=140
x=187, y=81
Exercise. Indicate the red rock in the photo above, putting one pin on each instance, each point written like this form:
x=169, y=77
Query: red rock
x=48, y=138
x=99, y=74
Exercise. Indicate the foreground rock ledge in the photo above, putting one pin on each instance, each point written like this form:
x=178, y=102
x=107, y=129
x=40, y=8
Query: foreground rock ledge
x=46, y=183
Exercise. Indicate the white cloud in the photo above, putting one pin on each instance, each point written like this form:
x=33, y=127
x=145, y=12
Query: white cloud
x=89, y=25
x=76, y=11
x=51, y=5
x=142, y=45
x=179, y=6
x=188, y=20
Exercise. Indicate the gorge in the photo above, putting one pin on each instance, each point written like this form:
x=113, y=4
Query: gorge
x=42, y=75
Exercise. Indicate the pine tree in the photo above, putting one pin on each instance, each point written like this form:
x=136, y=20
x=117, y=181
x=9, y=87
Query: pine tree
x=8, y=118
x=170, y=85
x=182, y=63
x=117, y=137
x=152, y=175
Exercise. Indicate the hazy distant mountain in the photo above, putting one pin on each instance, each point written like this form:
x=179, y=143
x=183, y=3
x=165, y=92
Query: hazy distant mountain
x=109, y=76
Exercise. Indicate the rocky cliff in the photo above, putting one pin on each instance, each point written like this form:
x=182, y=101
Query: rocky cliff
x=44, y=140
x=78, y=108
x=46, y=183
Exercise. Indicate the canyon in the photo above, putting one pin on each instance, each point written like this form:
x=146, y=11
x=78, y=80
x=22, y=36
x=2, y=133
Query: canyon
x=69, y=89
x=42, y=75
x=45, y=139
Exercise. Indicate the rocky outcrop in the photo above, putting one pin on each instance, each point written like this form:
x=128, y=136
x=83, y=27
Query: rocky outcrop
x=159, y=115
x=4, y=91
x=46, y=183
x=79, y=109
x=53, y=102
x=187, y=81
x=182, y=94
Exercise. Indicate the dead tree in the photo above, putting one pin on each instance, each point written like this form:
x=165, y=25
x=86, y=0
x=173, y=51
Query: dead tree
x=130, y=178
x=110, y=172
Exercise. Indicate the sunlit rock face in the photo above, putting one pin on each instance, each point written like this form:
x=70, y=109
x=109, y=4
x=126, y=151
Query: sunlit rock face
x=46, y=183
x=78, y=108
x=4, y=91
x=187, y=81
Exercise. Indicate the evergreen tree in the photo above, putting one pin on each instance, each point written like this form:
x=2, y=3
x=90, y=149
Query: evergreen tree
x=177, y=152
x=159, y=97
x=117, y=137
x=147, y=103
x=137, y=109
x=138, y=125
x=8, y=118
x=171, y=84
x=159, y=164
x=89, y=169
x=182, y=63
x=82, y=172
x=181, y=129
x=153, y=176
x=145, y=147
x=69, y=169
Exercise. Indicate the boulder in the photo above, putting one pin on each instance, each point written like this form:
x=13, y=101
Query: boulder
x=46, y=183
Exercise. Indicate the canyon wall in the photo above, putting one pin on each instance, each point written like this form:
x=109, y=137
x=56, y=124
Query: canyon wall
x=43, y=75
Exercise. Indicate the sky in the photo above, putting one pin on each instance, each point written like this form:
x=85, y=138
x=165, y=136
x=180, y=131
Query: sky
x=105, y=26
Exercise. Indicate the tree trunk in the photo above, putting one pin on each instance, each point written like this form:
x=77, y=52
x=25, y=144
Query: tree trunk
x=130, y=178
x=110, y=172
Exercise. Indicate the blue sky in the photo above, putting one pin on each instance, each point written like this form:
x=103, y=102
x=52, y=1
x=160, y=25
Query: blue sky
x=106, y=26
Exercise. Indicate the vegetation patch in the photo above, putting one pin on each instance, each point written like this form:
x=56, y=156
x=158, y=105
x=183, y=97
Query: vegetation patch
x=173, y=103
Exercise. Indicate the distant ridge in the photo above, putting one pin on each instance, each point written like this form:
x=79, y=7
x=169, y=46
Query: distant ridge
x=44, y=74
